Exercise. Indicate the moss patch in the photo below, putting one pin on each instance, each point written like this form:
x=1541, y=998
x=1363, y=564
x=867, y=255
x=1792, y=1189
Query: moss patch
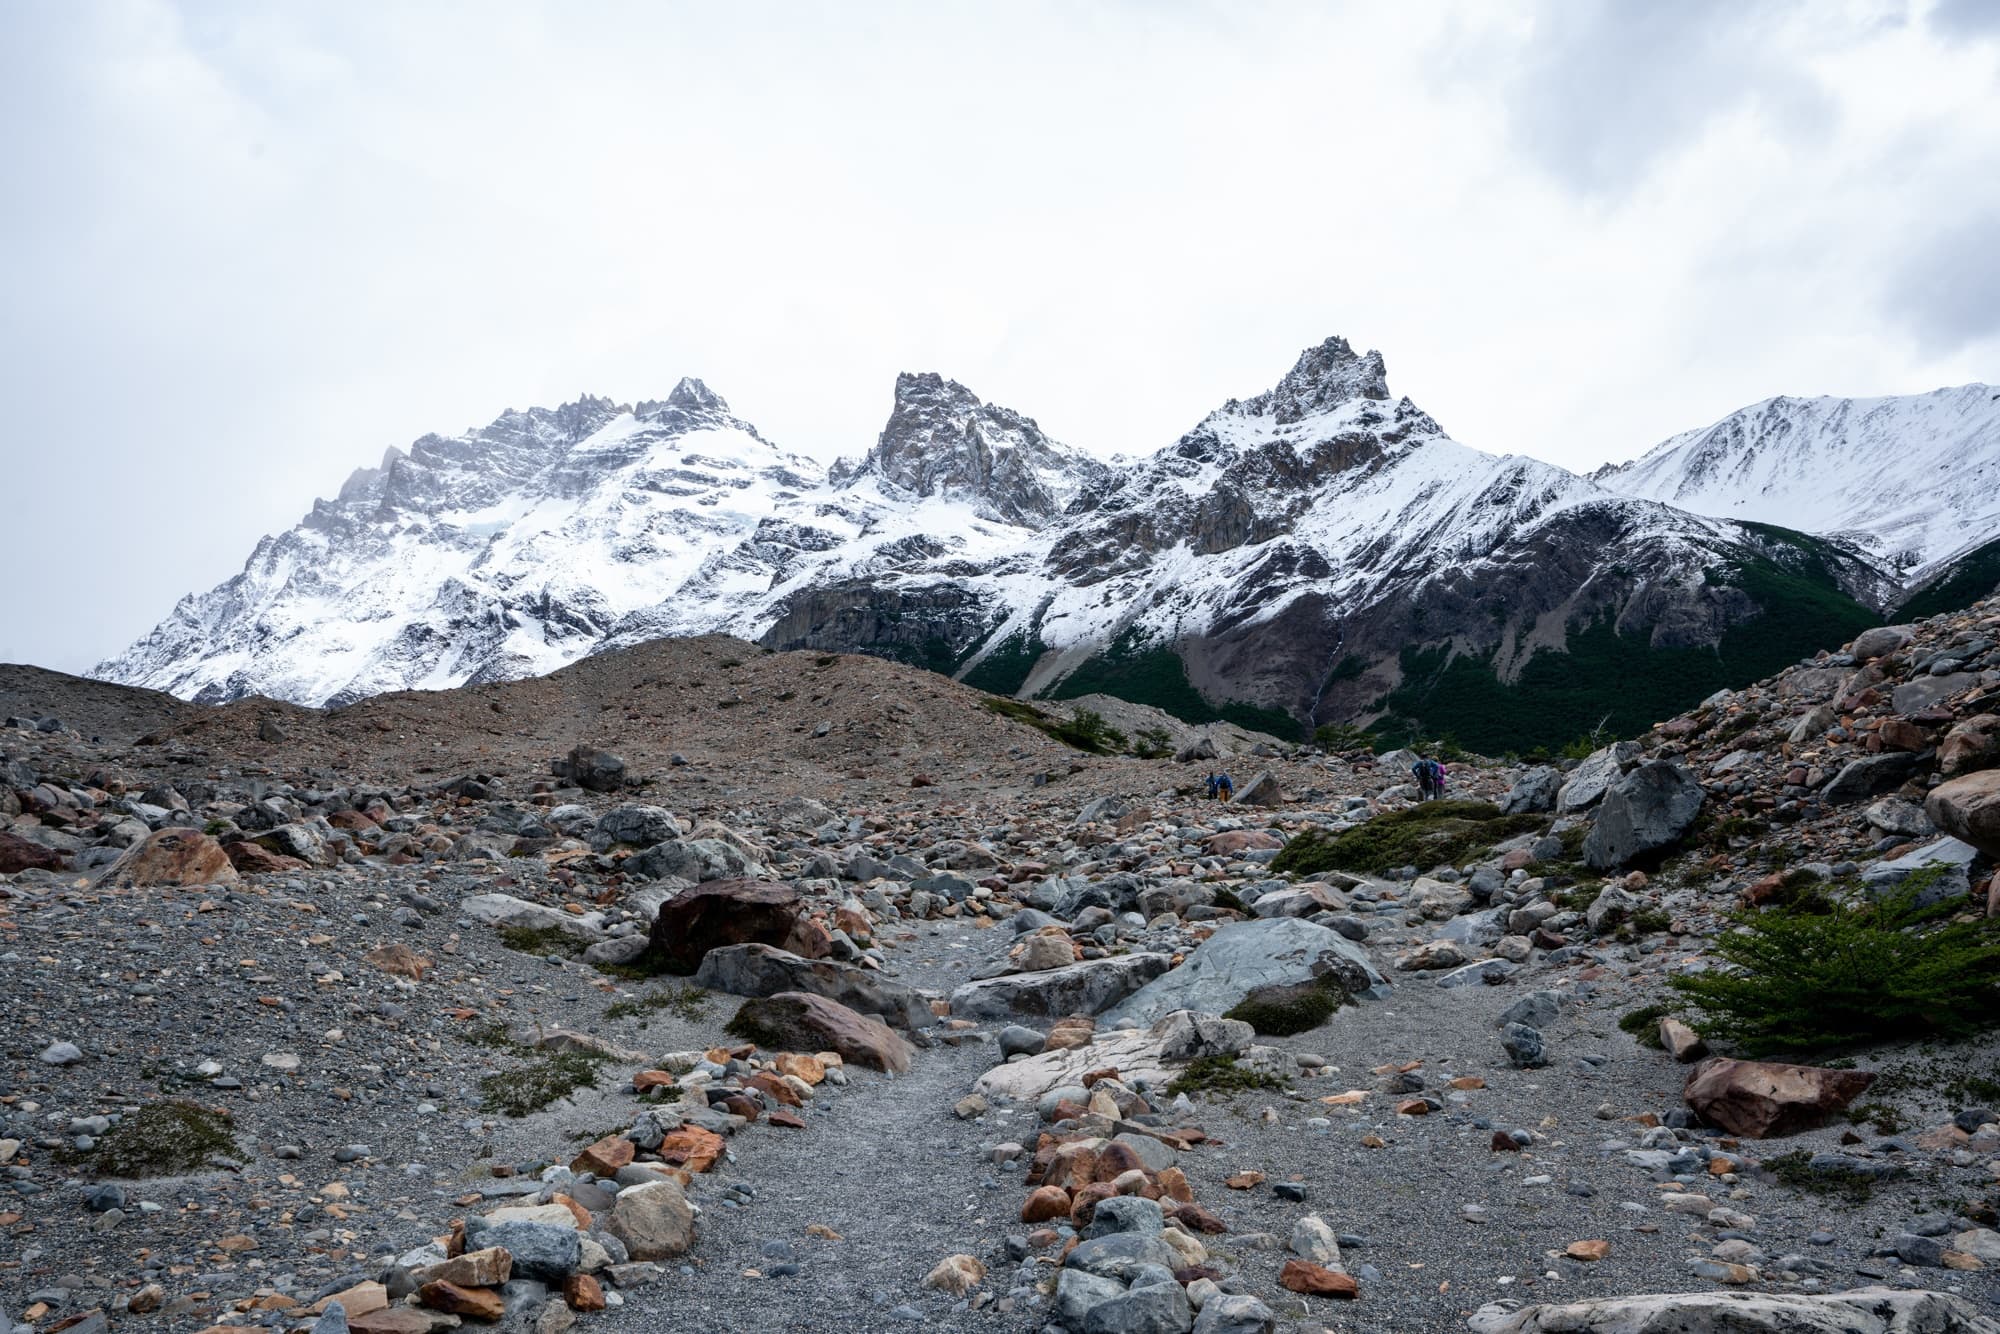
x=161, y=1139
x=1795, y=1169
x=1220, y=1076
x=1424, y=836
x=1281, y=1011
x=542, y=1081
x=683, y=999
x=541, y=940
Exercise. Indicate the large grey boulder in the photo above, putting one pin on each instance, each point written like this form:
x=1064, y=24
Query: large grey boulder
x=635, y=826
x=758, y=969
x=1868, y=775
x=1860, y=1311
x=506, y=910
x=1263, y=790
x=1951, y=859
x=1920, y=694
x=544, y=1252
x=1245, y=956
x=1533, y=792
x=1881, y=641
x=1646, y=811
x=1235, y=1313
x=1589, y=781
x=1051, y=993
x=696, y=859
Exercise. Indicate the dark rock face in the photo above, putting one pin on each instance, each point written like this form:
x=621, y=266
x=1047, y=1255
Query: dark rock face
x=1646, y=811
x=942, y=441
x=731, y=912
x=591, y=768
x=19, y=854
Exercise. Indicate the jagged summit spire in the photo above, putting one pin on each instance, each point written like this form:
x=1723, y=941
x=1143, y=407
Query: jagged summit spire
x=695, y=396
x=1325, y=377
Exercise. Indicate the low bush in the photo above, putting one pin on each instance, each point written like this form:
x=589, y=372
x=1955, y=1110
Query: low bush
x=1839, y=970
x=160, y=1139
x=1288, y=1009
x=544, y=1080
x=1221, y=1075
x=1431, y=834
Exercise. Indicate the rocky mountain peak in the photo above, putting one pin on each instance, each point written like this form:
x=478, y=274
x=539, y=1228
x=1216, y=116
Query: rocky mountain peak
x=695, y=396
x=1323, y=378
x=941, y=440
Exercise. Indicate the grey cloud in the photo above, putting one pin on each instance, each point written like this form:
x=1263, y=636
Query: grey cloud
x=1606, y=88
x=1965, y=18
x=1947, y=293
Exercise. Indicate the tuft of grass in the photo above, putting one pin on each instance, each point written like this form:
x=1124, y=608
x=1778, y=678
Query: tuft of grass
x=1423, y=836
x=1644, y=1025
x=1833, y=973
x=1220, y=1076
x=542, y=940
x=683, y=999
x=1227, y=899
x=161, y=1139
x=542, y=1081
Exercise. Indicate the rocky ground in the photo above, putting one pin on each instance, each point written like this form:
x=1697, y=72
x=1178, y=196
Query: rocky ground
x=295, y=1001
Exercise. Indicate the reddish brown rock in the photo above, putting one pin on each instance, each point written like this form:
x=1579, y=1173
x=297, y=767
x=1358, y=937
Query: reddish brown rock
x=1902, y=734
x=20, y=854
x=605, y=1157
x=1194, y=1218
x=1083, y=1204
x=795, y=1019
x=1968, y=808
x=733, y=912
x=485, y=1268
x=256, y=859
x=1244, y=1180
x=1587, y=1250
x=1045, y=1204
x=775, y=1088
x=1233, y=841
x=809, y=1068
x=691, y=1147
x=479, y=1303
x=784, y=1116
x=583, y=1293
x=171, y=857
x=1311, y=1280
x=398, y=960
x=1761, y=1100
x=1973, y=743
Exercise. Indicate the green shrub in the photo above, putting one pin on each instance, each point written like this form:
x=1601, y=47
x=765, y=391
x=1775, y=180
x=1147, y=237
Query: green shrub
x=1153, y=743
x=1825, y=973
x=1795, y=1169
x=1087, y=731
x=1341, y=736
x=542, y=940
x=1423, y=836
x=1644, y=1025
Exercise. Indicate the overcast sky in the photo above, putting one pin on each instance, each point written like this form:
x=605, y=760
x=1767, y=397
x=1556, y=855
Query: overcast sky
x=247, y=246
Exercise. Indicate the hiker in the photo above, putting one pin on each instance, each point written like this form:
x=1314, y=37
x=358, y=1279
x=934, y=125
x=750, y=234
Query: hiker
x=1225, y=788
x=1214, y=785
x=1430, y=780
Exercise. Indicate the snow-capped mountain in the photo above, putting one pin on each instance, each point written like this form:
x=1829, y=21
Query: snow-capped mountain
x=1910, y=480
x=1319, y=552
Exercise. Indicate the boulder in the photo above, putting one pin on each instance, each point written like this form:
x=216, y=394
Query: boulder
x=20, y=854
x=506, y=910
x=1646, y=811
x=1860, y=1311
x=654, y=1221
x=635, y=826
x=1893, y=815
x=1926, y=691
x=256, y=859
x=1079, y=988
x=1589, y=781
x=591, y=768
x=544, y=1252
x=799, y=1021
x=1141, y=1057
x=1881, y=641
x=1263, y=790
x=1868, y=775
x=1762, y=1100
x=757, y=969
x=1246, y=956
x=694, y=859
x=1968, y=808
x=1201, y=748
x=1949, y=859
x=731, y=912
x=1972, y=743
x=171, y=857
x=1235, y=1313
x=1533, y=792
